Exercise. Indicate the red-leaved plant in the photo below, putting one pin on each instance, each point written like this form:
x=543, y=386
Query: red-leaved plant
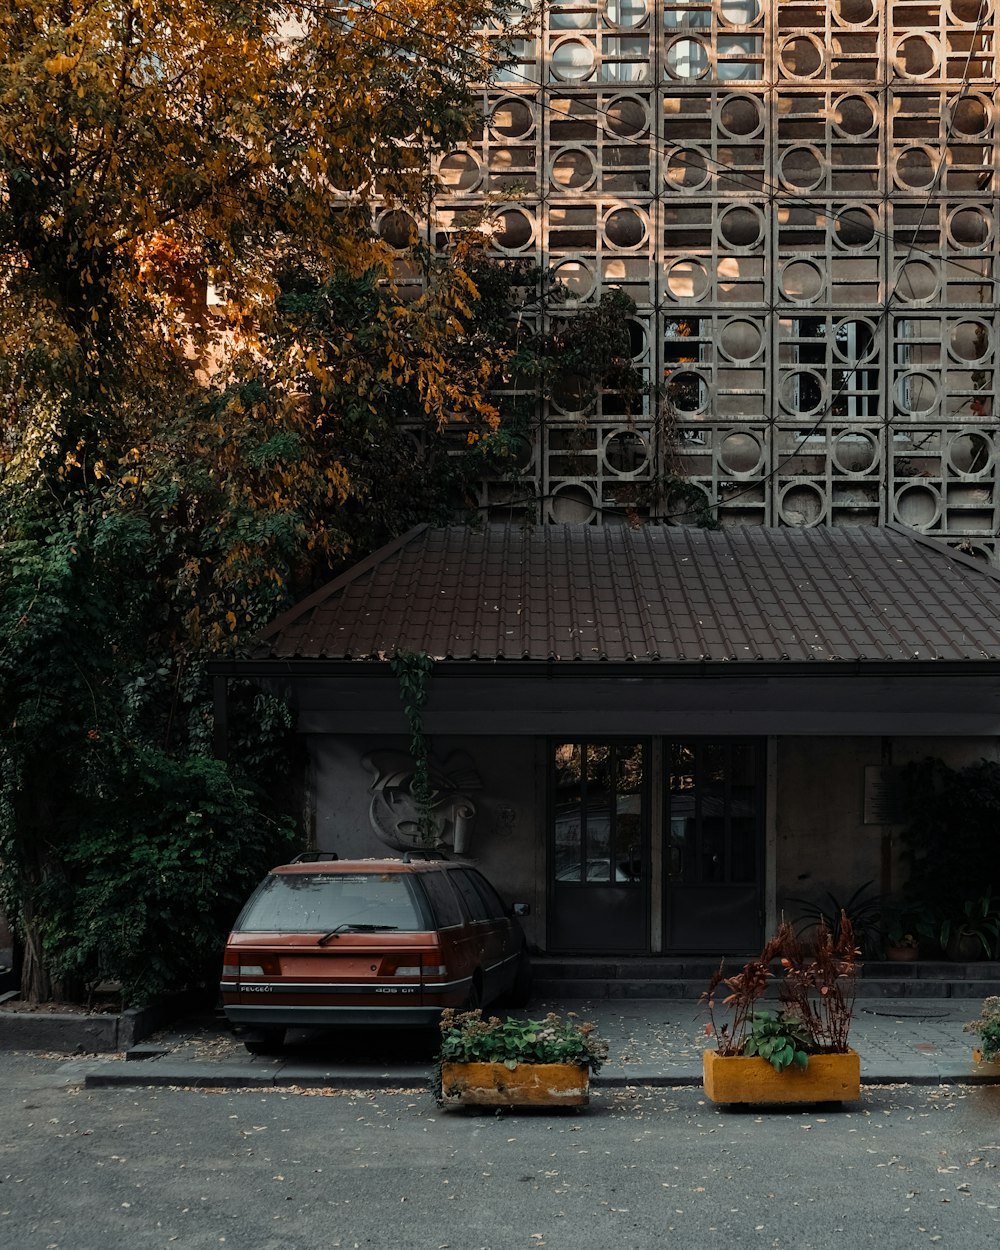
x=817, y=985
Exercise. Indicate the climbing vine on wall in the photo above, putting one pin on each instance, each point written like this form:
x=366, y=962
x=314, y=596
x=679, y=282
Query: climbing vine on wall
x=413, y=670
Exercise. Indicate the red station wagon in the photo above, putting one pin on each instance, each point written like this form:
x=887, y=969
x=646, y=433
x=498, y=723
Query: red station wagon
x=334, y=942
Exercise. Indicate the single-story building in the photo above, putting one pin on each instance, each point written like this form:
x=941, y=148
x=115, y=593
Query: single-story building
x=654, y=736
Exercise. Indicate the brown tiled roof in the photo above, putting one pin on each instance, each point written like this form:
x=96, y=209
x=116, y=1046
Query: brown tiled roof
x=652, y=594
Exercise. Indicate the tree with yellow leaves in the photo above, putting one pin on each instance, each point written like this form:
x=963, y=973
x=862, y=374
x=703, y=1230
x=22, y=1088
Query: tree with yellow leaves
x=186, y=192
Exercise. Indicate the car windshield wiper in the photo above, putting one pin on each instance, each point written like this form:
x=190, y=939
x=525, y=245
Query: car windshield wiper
x=356, y=928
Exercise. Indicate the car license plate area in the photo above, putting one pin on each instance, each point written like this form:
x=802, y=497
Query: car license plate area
x=339, y=967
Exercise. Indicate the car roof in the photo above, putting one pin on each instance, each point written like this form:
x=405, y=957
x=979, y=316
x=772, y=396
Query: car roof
x=338, y=866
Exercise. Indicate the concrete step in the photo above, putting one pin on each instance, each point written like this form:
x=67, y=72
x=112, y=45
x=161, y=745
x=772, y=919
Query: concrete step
x=687, y=978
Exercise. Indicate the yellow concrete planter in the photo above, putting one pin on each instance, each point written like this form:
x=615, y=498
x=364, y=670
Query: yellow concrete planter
x=527, y=1085
x=750, y=1079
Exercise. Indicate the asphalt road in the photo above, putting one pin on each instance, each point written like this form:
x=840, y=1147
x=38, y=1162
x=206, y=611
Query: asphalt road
x=110, y=1169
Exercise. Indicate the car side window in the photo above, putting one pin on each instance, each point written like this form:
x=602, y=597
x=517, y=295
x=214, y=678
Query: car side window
x=492, y=899
x=474, y=901
x=443, y=900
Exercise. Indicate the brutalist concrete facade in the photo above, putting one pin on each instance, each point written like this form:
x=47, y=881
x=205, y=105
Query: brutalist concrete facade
x=801, y=199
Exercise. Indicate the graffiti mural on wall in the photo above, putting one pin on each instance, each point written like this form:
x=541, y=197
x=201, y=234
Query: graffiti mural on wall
x=394, y=813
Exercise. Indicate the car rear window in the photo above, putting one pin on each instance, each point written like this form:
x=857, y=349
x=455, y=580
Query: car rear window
x=321, y=902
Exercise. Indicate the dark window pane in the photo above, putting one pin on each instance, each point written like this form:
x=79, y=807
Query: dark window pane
x=472, y=898
x=443, y=898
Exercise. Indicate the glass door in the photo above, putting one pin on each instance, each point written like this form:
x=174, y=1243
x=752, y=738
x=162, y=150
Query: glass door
x=598, y=860
x=714, y=837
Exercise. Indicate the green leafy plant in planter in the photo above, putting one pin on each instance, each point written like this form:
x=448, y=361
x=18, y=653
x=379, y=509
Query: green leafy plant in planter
x=987, y=1028
x=779, y=1039
x=466, y=1037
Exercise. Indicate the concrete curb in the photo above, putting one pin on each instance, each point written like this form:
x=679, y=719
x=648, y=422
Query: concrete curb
x=86, y=1032
x=201, y=1075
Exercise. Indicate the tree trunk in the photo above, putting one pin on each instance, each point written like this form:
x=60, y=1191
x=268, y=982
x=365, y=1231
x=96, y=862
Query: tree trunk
x=36, y=984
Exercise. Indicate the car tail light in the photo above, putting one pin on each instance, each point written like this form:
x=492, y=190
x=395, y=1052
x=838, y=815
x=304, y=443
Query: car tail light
x=404, y=966
x=266, y=966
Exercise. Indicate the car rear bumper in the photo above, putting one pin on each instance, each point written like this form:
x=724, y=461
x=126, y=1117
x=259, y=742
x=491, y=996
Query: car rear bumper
x=330, y=1016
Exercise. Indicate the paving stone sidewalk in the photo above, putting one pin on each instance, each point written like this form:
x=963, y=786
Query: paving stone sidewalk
x=652, y=1042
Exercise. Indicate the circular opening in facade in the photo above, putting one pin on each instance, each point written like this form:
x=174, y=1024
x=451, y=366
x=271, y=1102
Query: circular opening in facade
x=918, y=506
x=687, y=507
x=572, y=60
x=917, y=56
x=854, y=227
x=970, y=341
x=917, y=282
x=801, y=56
x=739, y=12
x=572, y=393
x=801, y=280
x=741, y=340
x=572, y=505
x=855, y=12
x=687, y=169
x=459, y=171
x=741, y=117
x=625, y=451
x=968, y=12
x=741, y=453
x=854, y=341
x=970, y=117
x=624, y=227
x=915, y=168
x=521, y=452
x=626, y=117
x=636, y=338
x=687, y=279
x=511, y=119
x=970, y=453
x=576, y=277
x=802, y=392
x=855, y=452
x=854, y=116
x=514, y=230
x=802, y=505
x=916, y=392
x=686, y=59
x=741, y=226
x=687, y=391
x=573, y=169
x=970, y=227
x=625, y=13
x=398, y=229
x=801, y=168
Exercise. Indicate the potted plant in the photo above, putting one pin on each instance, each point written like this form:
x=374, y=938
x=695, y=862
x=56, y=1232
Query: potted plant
x=800, y=1053
x=902, y=927
x=974, y=931
x=512, y=1062
x=987, y=1029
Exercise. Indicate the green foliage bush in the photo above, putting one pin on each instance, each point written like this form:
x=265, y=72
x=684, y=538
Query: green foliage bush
x=949, y=840
x=158, y=873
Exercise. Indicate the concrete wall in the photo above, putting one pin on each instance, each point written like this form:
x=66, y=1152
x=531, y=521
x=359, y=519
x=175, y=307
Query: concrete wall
x=507, y=839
